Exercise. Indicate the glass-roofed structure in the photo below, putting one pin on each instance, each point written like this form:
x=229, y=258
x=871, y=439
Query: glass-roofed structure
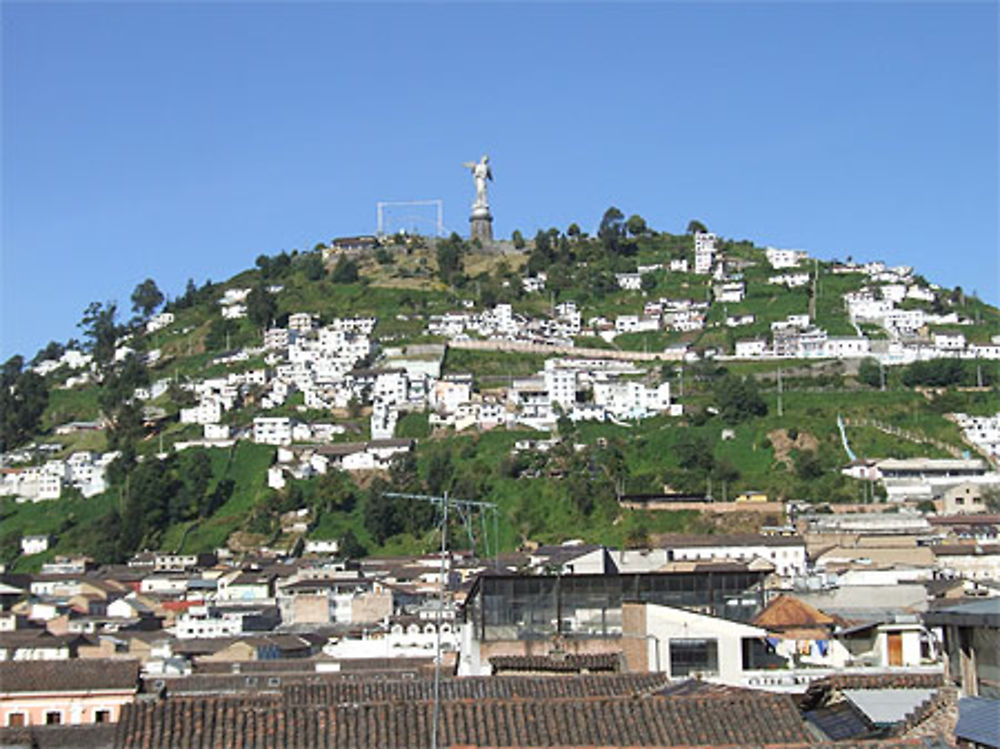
x=523, y=607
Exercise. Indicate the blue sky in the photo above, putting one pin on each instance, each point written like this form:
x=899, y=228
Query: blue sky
x=182, y=140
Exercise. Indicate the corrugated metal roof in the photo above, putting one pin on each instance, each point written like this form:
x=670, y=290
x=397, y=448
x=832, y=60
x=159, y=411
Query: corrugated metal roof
x=979, y=720
x=886, y=706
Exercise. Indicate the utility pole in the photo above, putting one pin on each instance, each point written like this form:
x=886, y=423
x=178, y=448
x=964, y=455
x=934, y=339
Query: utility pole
x=780, y=409
x=812, y=297
x=881, y=374
x=440, y=619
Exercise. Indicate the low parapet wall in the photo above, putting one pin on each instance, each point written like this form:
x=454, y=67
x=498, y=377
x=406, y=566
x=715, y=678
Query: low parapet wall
x=523, y=347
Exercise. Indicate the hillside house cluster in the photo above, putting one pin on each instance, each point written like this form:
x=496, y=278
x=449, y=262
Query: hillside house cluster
x=83, y=471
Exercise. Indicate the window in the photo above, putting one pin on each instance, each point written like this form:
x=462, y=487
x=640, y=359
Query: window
x=102, y=716
x=689, y=656
x=15, y=720
x=53, y=718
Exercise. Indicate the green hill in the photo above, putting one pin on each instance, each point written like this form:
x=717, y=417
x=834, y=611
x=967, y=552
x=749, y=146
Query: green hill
x=569, y=491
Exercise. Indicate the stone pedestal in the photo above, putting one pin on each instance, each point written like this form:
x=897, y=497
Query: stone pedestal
x=481, y=225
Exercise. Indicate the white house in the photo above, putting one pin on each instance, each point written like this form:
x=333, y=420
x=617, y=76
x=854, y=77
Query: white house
x=846, y=347
x=780, y=259
x=34, y=545
x=157, y=322
x=272, y=430
x=894, y=292
x=446, y=396
x=208, y=411
x=534, y=284
x=688, y=645
x=321, y=546
x=920, y=293
x=630, y=399
x=949, y=341
x=904, y=320
x=786, y=553
x=637, y=323
x=731, y=292
x=791, y=280
x=215, y=432
x=376, y=455
x=629, y=281
x=865, y=308
x=751, y=348
x=301, y=322
x=234, y=311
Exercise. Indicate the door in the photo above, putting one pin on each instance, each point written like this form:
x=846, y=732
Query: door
x=895, y=649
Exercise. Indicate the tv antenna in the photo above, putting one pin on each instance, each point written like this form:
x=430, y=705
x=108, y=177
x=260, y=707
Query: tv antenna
x=465, y=509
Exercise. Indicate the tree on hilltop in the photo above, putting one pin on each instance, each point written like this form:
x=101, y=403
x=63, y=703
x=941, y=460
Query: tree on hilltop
x=146, y=298
x=23, y=398
x=696, y=227
x=636, y=225
x=101, y=332
x=449, y=258
x=612, y=230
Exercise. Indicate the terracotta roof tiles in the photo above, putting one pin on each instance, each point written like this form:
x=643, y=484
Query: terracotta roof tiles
x=241, y=723
x=339, y=691
x=787, y=612
x=68, y=675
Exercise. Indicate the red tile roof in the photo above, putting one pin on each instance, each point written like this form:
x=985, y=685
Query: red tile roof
x=569, y=663
x=754, y=719
x=340, y=691
x=788, y=612
x=69, y=675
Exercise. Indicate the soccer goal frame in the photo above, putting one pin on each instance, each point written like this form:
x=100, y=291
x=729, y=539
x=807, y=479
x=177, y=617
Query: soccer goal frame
x=380, y=209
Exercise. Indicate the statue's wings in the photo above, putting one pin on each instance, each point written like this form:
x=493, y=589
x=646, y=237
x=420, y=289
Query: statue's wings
x=469, y=164
x=489, y=173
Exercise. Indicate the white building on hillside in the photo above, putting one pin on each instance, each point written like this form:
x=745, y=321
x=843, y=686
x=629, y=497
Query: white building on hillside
x=631, y=399
x=629, y=281
x=751, y=348
x=704, y=252
x=780, y=259
x=560, y=383
x=272, y=430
